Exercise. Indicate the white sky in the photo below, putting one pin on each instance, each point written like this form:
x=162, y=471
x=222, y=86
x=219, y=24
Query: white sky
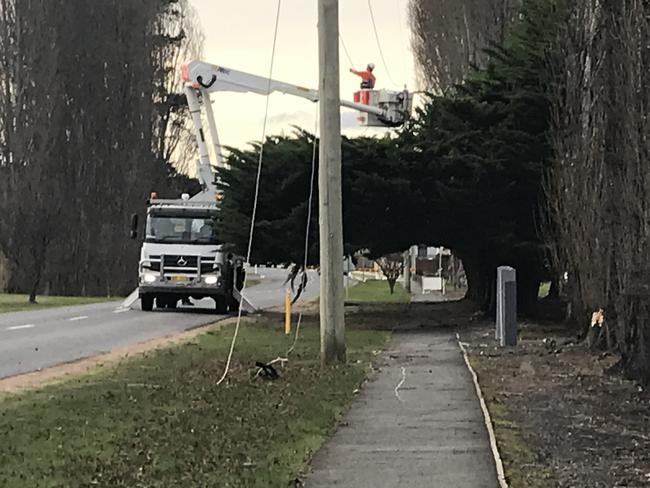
x=239, y=35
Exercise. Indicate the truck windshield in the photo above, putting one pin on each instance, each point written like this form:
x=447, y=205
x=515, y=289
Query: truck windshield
x=183, y=229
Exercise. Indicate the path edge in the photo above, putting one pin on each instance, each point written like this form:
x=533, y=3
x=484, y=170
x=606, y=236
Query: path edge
x=486, y=417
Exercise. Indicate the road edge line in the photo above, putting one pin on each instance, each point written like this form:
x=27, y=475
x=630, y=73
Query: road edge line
x=486, y=418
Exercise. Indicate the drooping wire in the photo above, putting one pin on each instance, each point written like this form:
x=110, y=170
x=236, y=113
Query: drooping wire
x=257, y=190
x=381, y=51
x=308, y=226
x=345, y=50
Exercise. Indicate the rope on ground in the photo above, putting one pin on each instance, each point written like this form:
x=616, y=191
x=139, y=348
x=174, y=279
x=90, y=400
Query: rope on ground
x=399, y=385
x=381, y=51
x=486, y=417
x=257, y=190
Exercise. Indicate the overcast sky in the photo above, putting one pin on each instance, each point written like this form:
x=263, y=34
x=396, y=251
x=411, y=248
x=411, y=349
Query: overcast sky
x=239, y=35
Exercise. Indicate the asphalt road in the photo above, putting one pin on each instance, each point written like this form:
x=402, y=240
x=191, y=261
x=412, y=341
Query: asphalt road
x=33, y=340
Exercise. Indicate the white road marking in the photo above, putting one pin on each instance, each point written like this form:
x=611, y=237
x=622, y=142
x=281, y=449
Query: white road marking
x=121, y=310
x=81, y=317
x=17, y=327
x=400, y=384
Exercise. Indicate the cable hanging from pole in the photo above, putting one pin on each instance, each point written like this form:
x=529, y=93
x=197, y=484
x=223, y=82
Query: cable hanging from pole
x=308, y=226
x=345, y=50
x=257, y=190
x=381, y=51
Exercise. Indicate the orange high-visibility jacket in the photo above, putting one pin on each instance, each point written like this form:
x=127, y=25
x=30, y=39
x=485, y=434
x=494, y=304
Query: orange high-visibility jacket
x=365, y=76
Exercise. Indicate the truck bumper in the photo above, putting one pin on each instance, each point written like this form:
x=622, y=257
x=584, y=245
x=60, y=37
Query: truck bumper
x=182, y=291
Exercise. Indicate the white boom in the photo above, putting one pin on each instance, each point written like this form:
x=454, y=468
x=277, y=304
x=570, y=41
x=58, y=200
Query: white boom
x=204, y=168
x=386, y=108
x=383, y=108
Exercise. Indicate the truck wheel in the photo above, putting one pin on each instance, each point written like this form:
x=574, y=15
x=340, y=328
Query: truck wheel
x=221, y=304
x=147, y=302
x=166, y=302
x=233, y=304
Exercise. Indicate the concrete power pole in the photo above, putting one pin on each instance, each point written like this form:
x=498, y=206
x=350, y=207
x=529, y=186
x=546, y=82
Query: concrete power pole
x=407, y=271
x=332, y=322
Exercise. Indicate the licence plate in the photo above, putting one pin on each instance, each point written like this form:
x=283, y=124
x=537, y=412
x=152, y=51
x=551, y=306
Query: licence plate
x=180, y=278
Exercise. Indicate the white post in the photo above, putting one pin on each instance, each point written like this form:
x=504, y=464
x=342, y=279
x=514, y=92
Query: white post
x=347, y=277
x=506, y=323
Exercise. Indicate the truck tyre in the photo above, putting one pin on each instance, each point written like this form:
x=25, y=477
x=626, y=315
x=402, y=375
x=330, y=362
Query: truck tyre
x=240, y=277
x=233, y=304
x=147, y=302
x=166, y=302
x=221, y=304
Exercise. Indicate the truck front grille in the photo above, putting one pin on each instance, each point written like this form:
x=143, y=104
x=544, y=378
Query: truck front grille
x=172, y=261
x=182, y=264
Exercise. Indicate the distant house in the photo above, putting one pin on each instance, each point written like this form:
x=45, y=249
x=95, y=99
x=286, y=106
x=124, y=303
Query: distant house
x=428, y=261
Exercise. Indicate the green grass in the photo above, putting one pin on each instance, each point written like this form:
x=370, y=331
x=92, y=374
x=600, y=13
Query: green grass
x=161, y=420
x=516, y=452
x=10, y=302
x=544, y=288
x=377, y=291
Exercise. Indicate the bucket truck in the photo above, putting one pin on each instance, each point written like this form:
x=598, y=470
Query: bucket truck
x=183, y=255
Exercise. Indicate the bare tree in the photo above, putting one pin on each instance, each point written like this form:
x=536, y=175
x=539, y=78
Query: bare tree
x=448, y=36
x=178, y=40
x=31, y=89
x=598, y=187
x=392, y=266
x=86, y=132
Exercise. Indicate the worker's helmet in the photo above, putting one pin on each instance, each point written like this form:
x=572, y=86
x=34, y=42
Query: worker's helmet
x=371, y=66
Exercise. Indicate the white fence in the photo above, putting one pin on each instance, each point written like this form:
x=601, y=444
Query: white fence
x=432, y=283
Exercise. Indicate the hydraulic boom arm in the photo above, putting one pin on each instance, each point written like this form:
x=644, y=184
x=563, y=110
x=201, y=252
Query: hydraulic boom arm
x=390, y=108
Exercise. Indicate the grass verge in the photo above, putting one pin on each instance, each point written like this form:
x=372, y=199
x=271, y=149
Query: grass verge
x=519, y=458
x=377, y=291
x=10, y=302
x=161, y=421
x=544, y=288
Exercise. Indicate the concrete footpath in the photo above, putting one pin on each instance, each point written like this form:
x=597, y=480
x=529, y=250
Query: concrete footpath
x=418, y=423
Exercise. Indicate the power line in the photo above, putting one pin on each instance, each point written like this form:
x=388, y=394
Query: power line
x=381, y=51
x=257, y=191
x=308, y=226
x=345, y=49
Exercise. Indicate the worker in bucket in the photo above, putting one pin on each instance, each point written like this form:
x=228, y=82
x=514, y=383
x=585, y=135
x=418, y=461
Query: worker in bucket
x=367, y=78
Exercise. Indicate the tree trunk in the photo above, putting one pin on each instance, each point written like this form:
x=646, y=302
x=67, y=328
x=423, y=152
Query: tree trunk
x=391, y=285
x=471, y=264
x=554, y=291
x=34, y=287
x=527, y=289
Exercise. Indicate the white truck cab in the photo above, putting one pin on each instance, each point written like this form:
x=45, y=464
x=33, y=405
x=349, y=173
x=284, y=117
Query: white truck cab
x=182, y=257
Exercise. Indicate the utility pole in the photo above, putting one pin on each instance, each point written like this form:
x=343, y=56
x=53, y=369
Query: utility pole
x=440, y=262
x=330, y=220
x=407, y=270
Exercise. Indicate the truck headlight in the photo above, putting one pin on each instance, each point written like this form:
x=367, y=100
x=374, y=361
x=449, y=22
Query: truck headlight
x=149, y=277
x=210, y=280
